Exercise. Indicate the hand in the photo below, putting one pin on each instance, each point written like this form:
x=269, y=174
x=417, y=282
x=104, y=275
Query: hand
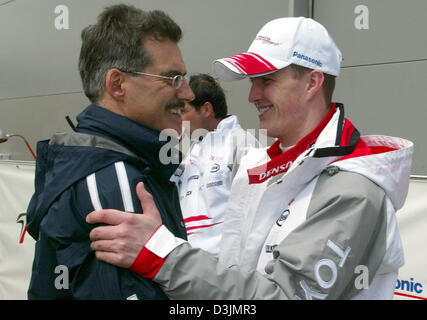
x=120, y=242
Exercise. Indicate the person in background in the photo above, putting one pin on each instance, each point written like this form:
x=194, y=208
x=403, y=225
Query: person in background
x=204, y=177
x=134, y=75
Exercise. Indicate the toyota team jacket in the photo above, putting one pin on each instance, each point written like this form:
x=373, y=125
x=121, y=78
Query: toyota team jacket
x=317, y=225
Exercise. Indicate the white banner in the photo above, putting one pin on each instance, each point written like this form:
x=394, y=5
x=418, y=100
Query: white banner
x=16, y=258
x=412, y=221
x=16, y=247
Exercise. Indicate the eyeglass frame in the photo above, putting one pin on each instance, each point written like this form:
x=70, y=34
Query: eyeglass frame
x=179, y=78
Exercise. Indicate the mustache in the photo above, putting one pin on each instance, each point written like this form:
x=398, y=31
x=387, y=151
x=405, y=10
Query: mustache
x=175, y=105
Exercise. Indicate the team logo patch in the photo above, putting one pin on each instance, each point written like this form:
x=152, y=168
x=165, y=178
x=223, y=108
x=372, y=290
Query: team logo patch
x=307, y=58
x=283, y=217
x=215, y=168
x=266, y=39
x=270, y=248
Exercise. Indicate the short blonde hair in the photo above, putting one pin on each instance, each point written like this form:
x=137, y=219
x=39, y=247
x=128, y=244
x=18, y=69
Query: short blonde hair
x=328, y=82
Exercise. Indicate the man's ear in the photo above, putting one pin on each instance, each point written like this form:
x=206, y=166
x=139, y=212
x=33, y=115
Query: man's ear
x=207, y=109
x=314, y=83
x=114, y=83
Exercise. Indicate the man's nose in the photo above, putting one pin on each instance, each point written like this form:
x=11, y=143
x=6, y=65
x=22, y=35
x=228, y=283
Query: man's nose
x=185, y=93
x=255, y=93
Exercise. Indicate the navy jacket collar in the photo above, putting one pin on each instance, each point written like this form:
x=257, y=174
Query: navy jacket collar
x=135, y=136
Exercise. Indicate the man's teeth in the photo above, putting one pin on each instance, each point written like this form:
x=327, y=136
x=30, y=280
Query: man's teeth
x=262, y=110
x=176, y=111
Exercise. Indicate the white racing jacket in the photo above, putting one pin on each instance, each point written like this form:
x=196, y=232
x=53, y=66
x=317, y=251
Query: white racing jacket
x=204, y=181
x=318, y=222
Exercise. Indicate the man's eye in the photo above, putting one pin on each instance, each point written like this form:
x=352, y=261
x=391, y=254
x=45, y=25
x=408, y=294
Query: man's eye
x=172, y=74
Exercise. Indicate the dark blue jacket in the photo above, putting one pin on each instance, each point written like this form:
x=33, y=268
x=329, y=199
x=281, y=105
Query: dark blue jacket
x=98, y=166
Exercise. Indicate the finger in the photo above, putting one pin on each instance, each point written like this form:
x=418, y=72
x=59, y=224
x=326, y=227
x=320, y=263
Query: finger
x=107, y=216
x=103, y=233
x=103, y=245
x=147, y=202
x=113, y=258
x=115, y=246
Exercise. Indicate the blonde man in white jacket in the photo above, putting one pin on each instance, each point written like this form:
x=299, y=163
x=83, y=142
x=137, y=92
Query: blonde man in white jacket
x=311, y=217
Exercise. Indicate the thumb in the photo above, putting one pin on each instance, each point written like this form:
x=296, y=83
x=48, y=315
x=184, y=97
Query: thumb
x=147, y=202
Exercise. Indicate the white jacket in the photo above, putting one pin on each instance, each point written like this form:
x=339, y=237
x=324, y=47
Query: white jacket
x=251, y=233
x=204, y=180
x=320, y=226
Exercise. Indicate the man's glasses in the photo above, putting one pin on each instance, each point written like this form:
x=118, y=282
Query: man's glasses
x=177, y=80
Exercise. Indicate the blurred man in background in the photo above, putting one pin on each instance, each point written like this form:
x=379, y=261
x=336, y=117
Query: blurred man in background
x=204, y=177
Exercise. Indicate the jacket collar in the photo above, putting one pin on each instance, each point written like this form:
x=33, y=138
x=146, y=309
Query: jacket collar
x=333, y=137
x=228, y=123
x=140, y=139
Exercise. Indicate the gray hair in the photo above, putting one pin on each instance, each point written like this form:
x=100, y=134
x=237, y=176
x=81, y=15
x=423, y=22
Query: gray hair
x=116, y=41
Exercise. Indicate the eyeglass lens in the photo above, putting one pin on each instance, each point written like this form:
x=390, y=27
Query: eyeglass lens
x=177, y=81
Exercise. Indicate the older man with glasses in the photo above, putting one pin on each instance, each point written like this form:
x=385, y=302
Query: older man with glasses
x=134, y=75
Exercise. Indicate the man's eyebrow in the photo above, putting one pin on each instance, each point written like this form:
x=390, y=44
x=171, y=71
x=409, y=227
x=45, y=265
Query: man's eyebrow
x=173, y=72
x=264, y=77
x=251, y=79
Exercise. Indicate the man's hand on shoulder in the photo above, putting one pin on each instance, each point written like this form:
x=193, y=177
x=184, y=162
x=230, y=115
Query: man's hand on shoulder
x=121, y=240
